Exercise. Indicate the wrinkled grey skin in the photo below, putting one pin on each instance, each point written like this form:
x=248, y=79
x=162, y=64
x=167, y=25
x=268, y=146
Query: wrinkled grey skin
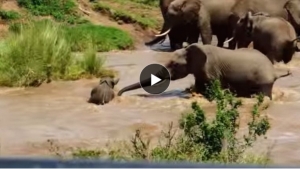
x=212, y=19
x=103, y=93
x=287, y=9
x=178, y=34
x=273, y=36
x=243, y=71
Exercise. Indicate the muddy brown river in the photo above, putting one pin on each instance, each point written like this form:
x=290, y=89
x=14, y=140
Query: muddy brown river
x=59, y=111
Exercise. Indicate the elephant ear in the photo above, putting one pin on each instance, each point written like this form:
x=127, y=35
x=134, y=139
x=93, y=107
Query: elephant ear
x=293, y=9
x=116, y=80
x=195, y=54
x=190, y=8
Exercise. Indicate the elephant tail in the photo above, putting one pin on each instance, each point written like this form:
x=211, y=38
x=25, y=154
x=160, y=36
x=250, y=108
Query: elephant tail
x=282, y=74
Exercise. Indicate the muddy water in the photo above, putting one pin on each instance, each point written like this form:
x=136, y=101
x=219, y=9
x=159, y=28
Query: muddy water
x=58, y=111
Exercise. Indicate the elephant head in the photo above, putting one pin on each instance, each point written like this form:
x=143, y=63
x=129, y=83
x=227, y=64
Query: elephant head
x=189, y=13
x=244, y=28
x=189, y=60
x=293, y=10
x=111, y=82
x=180, y=11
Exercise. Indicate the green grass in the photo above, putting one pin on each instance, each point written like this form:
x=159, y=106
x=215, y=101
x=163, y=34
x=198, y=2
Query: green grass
x=105, y=38
x=9, y=15
x=148, y=2
x=39, y=52
x=61, y=10
x=138, y=14
x=198, y=139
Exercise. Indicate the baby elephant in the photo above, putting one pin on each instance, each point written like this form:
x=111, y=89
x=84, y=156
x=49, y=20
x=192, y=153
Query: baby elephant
x=273, y=36
x=103, y=93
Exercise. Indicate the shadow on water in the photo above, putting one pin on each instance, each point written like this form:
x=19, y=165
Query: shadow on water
x=163, y=46
x=171, y=93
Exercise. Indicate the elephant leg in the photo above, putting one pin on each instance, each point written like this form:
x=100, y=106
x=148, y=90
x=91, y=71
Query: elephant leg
x=233, y=19
x=200, y=87
x=232, y=44
x=193, y=34
x=221, y=40
x=177, y=36
x=265, y=89
x=173, y=40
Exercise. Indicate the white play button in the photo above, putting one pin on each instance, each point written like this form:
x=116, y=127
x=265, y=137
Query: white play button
x=154, y=80
x=153, y=83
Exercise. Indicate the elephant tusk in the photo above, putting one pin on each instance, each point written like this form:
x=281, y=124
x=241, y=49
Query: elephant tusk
x=229, y=40
x=163, y=34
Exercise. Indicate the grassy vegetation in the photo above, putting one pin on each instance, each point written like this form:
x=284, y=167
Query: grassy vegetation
x=105, y=38
x=199, y=139
x=39, y=51
x=9, y=15
x=61, y=10
x=148, y=2
x=127, y=11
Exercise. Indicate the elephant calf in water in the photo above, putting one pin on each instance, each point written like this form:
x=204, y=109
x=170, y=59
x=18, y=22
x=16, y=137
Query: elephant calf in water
x=243, y=71
x=273, y=36
x=103, y=93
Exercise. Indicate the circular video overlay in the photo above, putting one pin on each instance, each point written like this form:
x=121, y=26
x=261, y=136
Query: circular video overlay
x=153, y=81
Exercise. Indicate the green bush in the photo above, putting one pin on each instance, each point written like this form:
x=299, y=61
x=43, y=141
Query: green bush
x=61, y=10
x=105, y=38
x=39, y=51
x=9, y=15
x=200, y=139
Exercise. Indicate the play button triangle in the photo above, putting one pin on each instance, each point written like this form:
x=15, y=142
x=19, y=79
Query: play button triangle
x=154, y=79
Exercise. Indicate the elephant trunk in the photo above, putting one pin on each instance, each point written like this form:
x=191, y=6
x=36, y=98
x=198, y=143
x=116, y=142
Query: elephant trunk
x=162, y=35
x=163, y=74
x=130, y=87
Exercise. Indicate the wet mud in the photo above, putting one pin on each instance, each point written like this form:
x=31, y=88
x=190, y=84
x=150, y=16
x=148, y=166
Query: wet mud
x=59, y=111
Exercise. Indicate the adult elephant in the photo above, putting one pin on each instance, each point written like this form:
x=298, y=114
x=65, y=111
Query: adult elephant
x=186, y=19
x=178, y=34
x=244, y=71
x=287, y=9
x=273, y=36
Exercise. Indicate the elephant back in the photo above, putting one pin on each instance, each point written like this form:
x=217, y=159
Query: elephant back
x=272, y=7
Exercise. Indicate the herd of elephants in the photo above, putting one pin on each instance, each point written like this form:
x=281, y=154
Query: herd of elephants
x=264, y=32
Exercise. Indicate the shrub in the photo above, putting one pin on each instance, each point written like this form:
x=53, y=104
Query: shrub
x=105, y=38
x=9, y=15
x=93, y=65
x=200, y=139
x=61, y=10
x=36, y=52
